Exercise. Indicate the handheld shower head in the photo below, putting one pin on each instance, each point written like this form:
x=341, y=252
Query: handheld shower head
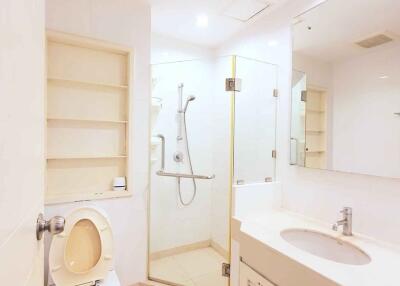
x=189, y=99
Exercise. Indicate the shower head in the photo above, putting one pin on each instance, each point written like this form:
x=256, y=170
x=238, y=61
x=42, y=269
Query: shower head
x=189, y=99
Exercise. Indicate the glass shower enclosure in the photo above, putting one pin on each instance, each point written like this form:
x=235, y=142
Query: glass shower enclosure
x=206, y=137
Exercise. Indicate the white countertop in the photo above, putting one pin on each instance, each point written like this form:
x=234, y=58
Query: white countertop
x=383, y=270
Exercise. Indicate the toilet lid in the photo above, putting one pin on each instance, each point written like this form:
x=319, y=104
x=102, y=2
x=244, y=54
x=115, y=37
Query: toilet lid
x=83, y=252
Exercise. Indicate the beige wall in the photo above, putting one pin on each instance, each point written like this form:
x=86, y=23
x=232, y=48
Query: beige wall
x=124, y=22
x=21, y=140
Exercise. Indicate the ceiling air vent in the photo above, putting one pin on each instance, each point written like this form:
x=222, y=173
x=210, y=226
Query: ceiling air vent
x=374, y=41
x=244, y=10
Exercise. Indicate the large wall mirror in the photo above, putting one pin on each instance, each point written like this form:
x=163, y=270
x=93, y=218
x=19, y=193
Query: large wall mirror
x=346, y=87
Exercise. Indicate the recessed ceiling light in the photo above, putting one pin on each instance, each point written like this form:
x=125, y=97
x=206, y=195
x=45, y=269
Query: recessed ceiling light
x=383, y=77
x=202, y=21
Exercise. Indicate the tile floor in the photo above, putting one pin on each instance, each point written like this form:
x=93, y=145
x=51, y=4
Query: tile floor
x=201, y=267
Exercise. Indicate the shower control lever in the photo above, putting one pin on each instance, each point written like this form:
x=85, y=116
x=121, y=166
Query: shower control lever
x=178, y=157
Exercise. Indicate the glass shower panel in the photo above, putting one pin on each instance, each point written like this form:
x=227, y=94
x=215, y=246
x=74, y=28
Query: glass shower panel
x=298, y=120
x=255, y=121
x=189, y=220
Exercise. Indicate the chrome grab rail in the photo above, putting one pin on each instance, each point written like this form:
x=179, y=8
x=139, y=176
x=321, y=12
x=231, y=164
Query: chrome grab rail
x=189, y=176
x=161, y=172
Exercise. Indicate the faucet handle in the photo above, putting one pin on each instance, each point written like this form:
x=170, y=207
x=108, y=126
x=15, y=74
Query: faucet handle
x=347, y=211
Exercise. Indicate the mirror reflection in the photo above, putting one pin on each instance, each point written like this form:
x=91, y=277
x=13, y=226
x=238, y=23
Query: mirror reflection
x=346, y=88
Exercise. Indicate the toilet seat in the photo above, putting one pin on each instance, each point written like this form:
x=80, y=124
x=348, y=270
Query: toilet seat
x=83, y=252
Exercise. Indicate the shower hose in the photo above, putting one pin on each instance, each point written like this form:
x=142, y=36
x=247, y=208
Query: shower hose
x=191, y=169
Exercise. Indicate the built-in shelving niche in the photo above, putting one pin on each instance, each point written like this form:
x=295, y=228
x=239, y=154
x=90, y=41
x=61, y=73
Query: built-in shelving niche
x=316, y=137
x=87, y=118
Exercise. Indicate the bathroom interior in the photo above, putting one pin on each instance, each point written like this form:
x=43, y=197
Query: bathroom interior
x=200, y=142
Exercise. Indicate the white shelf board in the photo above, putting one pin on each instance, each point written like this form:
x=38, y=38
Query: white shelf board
x=315, y=131
x=315, y=151
x=74, y=81
x=76, y=197
x=155, y=142
x=315, y=111
x=156, y=107
x=80, y=157
x=87, y=120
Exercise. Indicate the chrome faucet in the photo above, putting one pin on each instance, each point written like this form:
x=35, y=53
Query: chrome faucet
x=346, y=222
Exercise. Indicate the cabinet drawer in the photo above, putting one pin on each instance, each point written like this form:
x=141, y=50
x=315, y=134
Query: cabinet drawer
x=248, y=277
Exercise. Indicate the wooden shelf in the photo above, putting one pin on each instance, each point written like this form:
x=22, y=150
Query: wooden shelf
x=155, y=142
x=74, y=81
x=315, y=111
x=87, y=120
x=81, y=157
x=156, y=107
x=315, y=151
x=57, y=199
x=315, y=131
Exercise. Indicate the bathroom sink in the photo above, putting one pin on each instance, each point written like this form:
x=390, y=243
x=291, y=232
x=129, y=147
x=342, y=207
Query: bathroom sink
x=325, y=246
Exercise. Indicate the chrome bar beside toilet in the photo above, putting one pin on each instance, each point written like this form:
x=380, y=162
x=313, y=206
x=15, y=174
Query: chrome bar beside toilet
x=162, y=172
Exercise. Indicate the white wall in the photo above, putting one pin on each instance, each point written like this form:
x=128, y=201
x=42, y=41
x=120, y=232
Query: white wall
x=316, y=193
x=21, y=140
x=166, y=49
x=128, y=23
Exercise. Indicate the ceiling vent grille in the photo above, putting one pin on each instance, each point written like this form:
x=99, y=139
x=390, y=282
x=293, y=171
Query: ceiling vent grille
x=244, y=10
x=374, y=41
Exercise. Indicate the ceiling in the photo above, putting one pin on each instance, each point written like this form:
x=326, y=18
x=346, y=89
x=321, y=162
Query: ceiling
x=330, y=31
x=177, y=18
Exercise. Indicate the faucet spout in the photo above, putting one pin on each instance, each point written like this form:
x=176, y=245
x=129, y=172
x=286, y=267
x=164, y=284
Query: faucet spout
x=346, y=222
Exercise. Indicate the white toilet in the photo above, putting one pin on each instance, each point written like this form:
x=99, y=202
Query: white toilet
x=83, y=253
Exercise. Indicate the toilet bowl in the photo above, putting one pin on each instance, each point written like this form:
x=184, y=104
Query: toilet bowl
x=83, y=253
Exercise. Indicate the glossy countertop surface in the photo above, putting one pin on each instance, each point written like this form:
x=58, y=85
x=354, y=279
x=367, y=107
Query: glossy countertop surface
x=384, y=268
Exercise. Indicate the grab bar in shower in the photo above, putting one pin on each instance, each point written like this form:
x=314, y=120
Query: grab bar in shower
x=189, y=176
x=161, y=172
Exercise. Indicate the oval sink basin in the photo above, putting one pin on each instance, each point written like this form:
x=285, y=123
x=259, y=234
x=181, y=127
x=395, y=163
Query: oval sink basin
x=325, y=246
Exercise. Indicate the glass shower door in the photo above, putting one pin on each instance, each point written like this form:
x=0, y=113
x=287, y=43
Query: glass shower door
x=255, y=121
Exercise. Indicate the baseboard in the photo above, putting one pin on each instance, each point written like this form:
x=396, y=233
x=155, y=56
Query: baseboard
x=218, y=248
x=180, y=249
x=190, y=247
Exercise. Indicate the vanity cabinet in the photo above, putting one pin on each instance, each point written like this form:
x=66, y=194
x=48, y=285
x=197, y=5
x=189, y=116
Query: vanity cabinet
x=249, y=277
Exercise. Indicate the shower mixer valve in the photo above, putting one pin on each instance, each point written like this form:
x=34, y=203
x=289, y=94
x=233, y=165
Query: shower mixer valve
x=178, y=157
